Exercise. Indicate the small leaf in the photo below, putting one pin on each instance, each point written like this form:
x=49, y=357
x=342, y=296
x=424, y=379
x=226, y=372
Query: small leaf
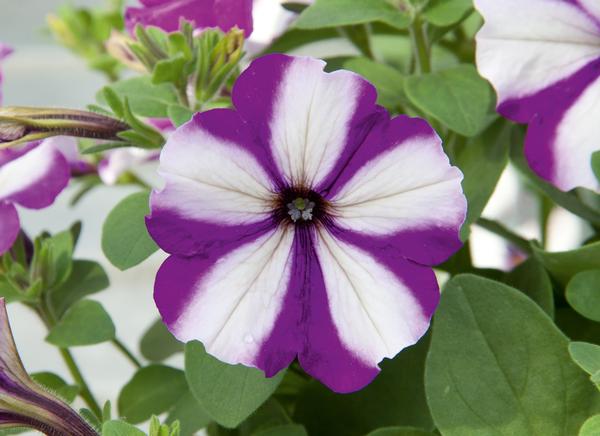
x=587, y=356
x=591, y=427
x=583, y=294
x=388, y=80
x=87, y=277
x=158, y=343
x=565, y=264
x=532, y=279
x=596, y=164
x=228, y=393
x=120, y=428
x=146, y=99
x=335, y=13
x=125, y=239
x=444, y=13
x=179, y=114
x=497, y=361
x=85, y=323
x=189, y=413
x=457, y=97
x=152, y=391
x=56, y=385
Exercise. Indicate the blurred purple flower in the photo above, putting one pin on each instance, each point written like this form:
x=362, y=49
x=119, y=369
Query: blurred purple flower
x=23, y=403
x=31, y=176
x=543, y=58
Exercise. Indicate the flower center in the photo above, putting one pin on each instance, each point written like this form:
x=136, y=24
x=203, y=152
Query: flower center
x=299, y=206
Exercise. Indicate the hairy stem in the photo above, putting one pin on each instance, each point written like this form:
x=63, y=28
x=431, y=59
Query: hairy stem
x=498, y=229
x=128, y=354
x=420, y=46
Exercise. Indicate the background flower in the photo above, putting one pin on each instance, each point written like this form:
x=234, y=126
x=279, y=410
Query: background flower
x=300, y=225
x=544, y=62
x=4, y=52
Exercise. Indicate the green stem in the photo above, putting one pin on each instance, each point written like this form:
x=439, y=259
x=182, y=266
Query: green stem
x=128, y=354
x=85, y=393
x=503, y=232
x=420, y=46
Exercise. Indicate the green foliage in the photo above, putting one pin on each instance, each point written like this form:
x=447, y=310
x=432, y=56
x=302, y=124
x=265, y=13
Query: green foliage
x=482, y=161
x=565, y=264
x=395, y=397
x=591, y=427
x=228, y=393
x=334, y=13
x=587, y=356
x=84, y=323
x=498, y=365
x=158, y=343
x=531, y=278
x=457, y=97
x=120, y=428
x=56, y=385
x=125, y=240
x=596, y=164
x=190, y=415
x=152, y=391
x=400, y=431
x=583, y=294
x=447, y=12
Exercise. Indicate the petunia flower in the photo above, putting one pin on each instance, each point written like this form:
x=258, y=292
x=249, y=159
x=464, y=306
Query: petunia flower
x=543, y=58
x=23, y=403
x=31, y=177
x=303, y=224
x=4, y=52
x=167, y=14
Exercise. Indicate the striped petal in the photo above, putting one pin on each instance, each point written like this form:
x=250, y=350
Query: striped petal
x=399, y=192
x=306, y=116
x=9, y=226
x=219, y=187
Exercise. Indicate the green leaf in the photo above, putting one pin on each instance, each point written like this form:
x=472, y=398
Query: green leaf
x=395, y=397
x=146, y=99
x=228, y=393
x=179, y=114
x=565, y=264
x=482, y=162
x=283, y=430
x=583, y=294
x=87, y=277
x=169, y=70
x=400, y=431
x=295, y=38
x=270, y=414
x=152, y=391
x=444, y=13
x=125, y=239
x=532, y=279
x=56, y=385
x=11, y=293
x=158, y=343
x=334, y=13
x=189, y=413
x=591, y=427
x=388, y=81
x=120, y=428
x=596, y=164
x=587, y=356
x=85, y=323
x=498, y=365
x=55, y=260
x=457, y=97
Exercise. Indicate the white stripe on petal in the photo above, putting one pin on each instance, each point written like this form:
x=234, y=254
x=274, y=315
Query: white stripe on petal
x=28, y=170
x=526, y=46
x=411, y=186
x=237, y=302
x=592, y=6
x=213, y=180
x=311, y=118
x=376, y=315
x=578, y=136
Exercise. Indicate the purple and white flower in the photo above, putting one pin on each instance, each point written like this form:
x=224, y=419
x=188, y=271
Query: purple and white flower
x=303, y=224
x=167, y=14
x=543, y=58
x=23, y=403
x=32, y=177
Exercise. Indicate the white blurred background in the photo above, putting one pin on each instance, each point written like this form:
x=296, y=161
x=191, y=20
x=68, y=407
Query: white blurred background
x=42, y=73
